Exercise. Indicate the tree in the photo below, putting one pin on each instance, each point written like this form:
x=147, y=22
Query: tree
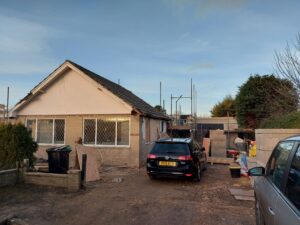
x=224, y=108
x=16, y=144
x=160, y=109
x=262, y=97
x=288, y=63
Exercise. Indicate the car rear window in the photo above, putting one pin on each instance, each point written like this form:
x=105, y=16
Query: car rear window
x=170, y=149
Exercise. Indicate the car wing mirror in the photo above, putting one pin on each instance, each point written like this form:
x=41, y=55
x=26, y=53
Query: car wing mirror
x=257, y=171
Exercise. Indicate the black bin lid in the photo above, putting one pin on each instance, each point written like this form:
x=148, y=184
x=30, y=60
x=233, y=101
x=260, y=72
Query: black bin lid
x=64, y=148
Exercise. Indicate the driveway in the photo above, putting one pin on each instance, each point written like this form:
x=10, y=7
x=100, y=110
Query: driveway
x=128, y=196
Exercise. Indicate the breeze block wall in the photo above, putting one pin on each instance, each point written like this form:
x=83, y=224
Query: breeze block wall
x=267, y=139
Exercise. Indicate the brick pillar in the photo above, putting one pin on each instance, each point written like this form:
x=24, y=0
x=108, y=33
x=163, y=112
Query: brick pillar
x=74, y=180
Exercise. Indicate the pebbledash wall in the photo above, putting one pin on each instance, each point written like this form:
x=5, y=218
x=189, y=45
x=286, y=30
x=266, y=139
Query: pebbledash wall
x=267, y=139
x=133, y=156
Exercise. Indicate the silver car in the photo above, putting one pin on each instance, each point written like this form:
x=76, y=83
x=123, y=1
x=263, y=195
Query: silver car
x=277, y=187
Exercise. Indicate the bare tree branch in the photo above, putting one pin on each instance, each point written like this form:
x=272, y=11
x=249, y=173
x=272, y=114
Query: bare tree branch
x=288, y=63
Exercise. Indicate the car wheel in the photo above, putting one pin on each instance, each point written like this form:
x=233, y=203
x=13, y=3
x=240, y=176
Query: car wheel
x=258, y=214
x=197, y=176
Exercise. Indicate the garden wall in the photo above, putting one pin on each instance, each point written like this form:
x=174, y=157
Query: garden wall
x=8, y=177
x=69, y=181
x=267, y=139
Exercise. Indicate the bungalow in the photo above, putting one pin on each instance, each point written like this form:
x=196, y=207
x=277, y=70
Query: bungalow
x=74, y=105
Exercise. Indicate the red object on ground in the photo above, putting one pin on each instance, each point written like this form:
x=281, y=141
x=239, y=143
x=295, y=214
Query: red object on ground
x=232, y=152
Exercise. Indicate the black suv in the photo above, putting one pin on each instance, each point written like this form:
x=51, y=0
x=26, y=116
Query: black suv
x=176, y=157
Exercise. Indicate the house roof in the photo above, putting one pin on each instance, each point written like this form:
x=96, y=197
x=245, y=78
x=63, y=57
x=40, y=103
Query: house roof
x=127, y=96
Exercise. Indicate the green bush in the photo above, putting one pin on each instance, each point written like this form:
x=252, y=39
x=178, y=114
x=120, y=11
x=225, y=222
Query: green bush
x=263, y=97
x=16, y=144
x=291, y=120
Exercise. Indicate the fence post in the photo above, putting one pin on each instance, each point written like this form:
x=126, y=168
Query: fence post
x=83, y=172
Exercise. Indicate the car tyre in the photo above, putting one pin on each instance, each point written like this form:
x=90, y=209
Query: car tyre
x=258, y=214
x=197, y=176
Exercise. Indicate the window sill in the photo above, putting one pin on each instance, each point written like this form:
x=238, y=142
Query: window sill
x=107, y=146
x=50, y=144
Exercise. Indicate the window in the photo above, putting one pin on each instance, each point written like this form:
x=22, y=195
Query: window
x=89, y=131
x=59, y=131
x=293, y=183
x=106, y=131
x=278, y=161
x=50, y=131
x=31, y=126
x=162, y=127
x=45, y=131
x=122, y=136
x=143, y=128
x=170, y=148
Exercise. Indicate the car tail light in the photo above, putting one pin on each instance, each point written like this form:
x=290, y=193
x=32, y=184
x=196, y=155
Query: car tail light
x=151, y=156
x=185, y=157
x=188, y=174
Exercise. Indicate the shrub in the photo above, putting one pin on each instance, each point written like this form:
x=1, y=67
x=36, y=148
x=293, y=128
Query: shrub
x=291, y=120
x=16, y=144
x=263, y=97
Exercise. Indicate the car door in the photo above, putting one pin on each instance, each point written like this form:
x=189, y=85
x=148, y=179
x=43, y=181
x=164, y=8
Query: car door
x=201, y=154
x=289, y=201
x=269, y=187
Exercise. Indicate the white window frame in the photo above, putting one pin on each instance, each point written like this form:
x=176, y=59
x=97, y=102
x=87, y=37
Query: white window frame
x=143, y=128
x=53, y=129
x=26, y=125
x=116, y=132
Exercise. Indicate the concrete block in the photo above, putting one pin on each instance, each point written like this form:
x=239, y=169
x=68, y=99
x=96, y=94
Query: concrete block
x=267, y=139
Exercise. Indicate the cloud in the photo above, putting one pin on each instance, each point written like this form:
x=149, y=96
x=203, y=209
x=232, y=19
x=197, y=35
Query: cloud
x=24, y=46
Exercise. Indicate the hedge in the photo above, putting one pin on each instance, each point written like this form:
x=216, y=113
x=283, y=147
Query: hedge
x=16, y=144
x=291, y=121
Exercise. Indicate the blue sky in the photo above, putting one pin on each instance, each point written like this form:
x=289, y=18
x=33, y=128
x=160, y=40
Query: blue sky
x=217, y=43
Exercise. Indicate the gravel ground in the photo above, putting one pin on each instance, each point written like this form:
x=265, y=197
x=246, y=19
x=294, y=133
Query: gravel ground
x=133, y=198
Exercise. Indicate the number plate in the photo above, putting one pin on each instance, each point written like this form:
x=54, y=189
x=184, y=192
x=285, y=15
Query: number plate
x=167, y=163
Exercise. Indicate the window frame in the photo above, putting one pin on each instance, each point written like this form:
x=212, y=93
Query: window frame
x=53, y=130
x=284, y=189
x=287, y=168
x=116, y=133
x=26, y=125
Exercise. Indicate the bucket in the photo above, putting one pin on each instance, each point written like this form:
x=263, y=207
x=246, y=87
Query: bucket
x=235, y=171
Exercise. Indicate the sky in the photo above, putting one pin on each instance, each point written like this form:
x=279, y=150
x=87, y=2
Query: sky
x=216, y=43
